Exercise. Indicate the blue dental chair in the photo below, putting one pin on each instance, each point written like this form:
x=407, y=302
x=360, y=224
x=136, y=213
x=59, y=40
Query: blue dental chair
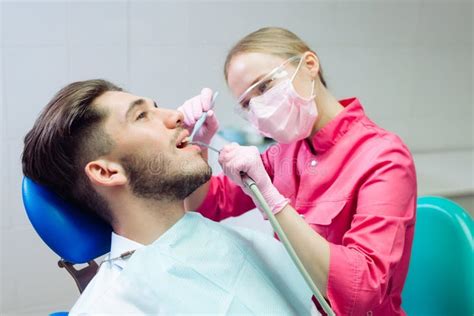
x=77, y=236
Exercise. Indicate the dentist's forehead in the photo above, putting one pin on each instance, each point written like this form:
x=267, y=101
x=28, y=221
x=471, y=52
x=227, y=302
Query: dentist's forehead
x=245, y=68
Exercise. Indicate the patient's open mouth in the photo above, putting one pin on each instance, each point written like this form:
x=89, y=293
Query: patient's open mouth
x=182, y=143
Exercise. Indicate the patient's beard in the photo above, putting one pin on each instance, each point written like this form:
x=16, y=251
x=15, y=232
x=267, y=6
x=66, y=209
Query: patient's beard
x=164, y=179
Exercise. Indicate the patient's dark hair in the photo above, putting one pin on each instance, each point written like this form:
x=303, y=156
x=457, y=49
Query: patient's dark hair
x=65, y=137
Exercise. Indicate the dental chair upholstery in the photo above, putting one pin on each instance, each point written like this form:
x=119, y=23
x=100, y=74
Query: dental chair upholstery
x=77, y=236
x=440, y=278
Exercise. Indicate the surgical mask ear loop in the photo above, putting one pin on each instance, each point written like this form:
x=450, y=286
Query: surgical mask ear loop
x=312, y=95
x=296, y=71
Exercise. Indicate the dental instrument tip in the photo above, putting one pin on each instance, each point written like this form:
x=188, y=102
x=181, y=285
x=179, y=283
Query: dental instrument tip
x=201, y=144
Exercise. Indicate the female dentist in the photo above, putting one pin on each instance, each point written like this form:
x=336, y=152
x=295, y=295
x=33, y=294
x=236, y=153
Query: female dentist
x=342, y=188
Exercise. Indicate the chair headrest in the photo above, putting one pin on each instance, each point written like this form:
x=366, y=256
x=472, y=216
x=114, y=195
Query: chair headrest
x=76, y=235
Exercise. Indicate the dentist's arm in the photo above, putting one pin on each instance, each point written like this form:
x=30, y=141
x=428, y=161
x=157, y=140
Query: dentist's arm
x=311, y=248
x=192, y=110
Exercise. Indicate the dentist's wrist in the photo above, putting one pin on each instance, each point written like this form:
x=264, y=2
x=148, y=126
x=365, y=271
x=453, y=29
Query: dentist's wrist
x=275, y=200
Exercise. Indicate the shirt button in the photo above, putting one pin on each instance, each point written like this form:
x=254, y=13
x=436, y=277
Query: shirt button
x=302, y=216
x=369, y=313
x=313, y=163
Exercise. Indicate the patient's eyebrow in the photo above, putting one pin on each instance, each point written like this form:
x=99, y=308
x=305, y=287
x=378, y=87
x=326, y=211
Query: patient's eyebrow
x=133, y=105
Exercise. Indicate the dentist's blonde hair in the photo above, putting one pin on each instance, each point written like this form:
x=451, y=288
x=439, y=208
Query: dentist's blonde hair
x=270, y=40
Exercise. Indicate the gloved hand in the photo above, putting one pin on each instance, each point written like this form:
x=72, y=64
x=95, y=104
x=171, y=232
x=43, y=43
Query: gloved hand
x=235, y=159
x=192, y=110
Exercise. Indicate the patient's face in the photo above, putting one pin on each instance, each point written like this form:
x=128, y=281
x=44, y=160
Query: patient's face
x=148, y=146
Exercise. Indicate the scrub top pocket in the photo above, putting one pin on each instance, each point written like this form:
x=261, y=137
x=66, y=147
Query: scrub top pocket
x=321, y=215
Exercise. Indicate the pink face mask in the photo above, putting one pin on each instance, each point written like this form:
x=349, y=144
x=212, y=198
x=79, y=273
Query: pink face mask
x=281, y=113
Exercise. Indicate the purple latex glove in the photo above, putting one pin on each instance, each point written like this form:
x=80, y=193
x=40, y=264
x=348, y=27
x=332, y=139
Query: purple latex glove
x=235, y=158
x=192, y=110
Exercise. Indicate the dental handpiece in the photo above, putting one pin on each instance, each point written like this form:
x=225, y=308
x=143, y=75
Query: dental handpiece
x=203, y=117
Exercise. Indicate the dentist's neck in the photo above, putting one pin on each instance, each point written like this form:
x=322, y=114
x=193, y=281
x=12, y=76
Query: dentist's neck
x=145, y=220
x=328, y=107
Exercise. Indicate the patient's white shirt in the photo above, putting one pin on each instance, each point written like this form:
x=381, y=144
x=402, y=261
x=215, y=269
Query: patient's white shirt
x=118, y=246
x=107, y=273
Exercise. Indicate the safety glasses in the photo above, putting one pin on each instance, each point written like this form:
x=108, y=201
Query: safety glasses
x=263, y=85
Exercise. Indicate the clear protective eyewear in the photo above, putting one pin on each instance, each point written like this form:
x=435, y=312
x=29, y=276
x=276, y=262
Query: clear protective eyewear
x=261, y=86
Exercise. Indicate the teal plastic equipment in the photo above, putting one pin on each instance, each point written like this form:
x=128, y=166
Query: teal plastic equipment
x=440, y=278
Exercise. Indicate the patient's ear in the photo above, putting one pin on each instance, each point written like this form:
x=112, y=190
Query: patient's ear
x=105, y=173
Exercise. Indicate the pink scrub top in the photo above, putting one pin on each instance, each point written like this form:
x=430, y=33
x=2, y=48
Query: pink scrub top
x=358, y=191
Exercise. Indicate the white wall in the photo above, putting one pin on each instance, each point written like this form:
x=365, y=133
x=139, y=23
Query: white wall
x=410, y=62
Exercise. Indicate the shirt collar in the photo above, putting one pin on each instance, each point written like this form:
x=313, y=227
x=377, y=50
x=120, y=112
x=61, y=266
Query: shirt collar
x=119, y=245
x=326, y=137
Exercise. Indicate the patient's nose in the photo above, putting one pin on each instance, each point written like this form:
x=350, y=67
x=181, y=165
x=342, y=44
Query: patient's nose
x=173, y=119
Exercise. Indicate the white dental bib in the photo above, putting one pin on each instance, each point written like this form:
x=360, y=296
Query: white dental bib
x=202, y=267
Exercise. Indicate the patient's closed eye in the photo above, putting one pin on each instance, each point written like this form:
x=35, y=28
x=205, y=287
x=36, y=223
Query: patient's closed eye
x=142, y=115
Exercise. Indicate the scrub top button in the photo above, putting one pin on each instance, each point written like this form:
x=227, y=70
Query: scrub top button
x=313, y=163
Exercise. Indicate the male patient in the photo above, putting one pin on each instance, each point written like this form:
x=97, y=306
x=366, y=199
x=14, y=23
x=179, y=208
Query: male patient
x=126, y=159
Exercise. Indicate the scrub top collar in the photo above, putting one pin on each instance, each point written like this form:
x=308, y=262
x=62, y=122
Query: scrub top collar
x=330, y=134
